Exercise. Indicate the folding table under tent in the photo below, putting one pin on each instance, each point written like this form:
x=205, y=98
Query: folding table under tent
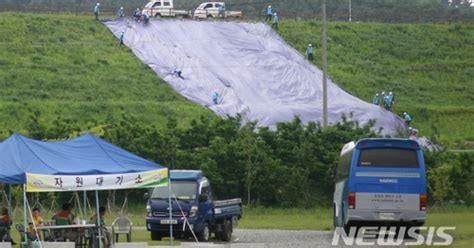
x=85, y=163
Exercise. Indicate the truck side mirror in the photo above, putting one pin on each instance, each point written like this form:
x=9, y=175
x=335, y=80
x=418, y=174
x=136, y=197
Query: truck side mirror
x=203, y=197
x=146, y=196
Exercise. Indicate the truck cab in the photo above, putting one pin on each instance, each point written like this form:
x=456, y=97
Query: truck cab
x=192, y=209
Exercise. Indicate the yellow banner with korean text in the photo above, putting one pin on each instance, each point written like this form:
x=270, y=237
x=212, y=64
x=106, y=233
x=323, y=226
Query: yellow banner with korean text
x=54, y=183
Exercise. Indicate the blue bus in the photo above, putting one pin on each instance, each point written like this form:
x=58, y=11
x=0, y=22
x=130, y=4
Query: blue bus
x=380, y=182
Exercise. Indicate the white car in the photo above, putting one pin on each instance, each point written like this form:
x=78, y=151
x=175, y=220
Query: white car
x=211, y=10
x=164, y=8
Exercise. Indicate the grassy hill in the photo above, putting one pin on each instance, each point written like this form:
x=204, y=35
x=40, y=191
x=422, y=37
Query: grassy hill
x=430, y=68
x=71, y=66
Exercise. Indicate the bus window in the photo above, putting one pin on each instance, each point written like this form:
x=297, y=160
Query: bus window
x=388, y=157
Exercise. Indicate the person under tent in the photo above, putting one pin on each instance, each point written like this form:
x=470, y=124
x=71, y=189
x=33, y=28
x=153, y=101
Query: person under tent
x=31, y=237
x=269, y=12
x=97, y=11
x=310, y=51
x=64, y=218
x=103, y=227
x=5, y=226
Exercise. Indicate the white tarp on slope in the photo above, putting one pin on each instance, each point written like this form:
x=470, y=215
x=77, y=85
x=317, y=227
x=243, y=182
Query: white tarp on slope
x=253, y=69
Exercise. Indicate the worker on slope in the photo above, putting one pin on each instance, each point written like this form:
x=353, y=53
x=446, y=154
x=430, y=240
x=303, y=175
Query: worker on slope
x=391, y=100
x=221, y=11
x=137, y=14
x=375, y=100
x=407, y=117
x=120, y=12
x=215, y=97
x=412, y=131
x=97, y=11
x=178, y=73
x=309, y=51
x=146, y=18
x=385, y=101
x=269, y=12
x=276, y=20
x=122, y=36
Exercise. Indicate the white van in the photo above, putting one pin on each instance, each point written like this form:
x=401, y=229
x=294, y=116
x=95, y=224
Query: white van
x=211, y=10
x=164, y=8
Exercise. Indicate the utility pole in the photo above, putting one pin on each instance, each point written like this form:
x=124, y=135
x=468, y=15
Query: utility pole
x=325, y=67
x=350, y=10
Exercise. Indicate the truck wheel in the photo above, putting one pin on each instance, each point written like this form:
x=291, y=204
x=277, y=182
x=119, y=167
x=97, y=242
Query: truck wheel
x=210, y=16
x=226, y=234
x=155, y=236
x=204, y=235
x=158, y=16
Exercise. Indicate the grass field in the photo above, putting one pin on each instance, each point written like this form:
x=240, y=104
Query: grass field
x=72, y=66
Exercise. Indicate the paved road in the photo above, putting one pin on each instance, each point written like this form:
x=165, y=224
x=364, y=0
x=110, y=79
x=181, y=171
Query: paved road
x=283, y=238
x=263, y=238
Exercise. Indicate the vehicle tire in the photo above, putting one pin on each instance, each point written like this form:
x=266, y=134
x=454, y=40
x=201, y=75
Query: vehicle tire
x=155, y=235
x=205, y=234
x=209, y=17
x=158, y=16
x=226, y=234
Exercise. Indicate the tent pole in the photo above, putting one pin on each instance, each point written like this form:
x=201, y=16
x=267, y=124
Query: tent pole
x=170, y=210
x=85, y=204
x=10, y=197
x=98, y=217
x=24, y=209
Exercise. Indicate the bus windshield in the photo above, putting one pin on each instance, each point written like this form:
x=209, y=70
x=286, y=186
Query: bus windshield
x=388, y=157
x=181, y=190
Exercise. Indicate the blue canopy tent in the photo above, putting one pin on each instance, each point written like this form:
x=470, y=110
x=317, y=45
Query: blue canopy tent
x=80, y=164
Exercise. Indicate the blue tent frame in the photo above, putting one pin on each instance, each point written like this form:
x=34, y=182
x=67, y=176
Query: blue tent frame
x=84, y=155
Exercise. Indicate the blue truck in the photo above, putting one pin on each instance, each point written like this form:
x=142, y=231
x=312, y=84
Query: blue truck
x=192, y=208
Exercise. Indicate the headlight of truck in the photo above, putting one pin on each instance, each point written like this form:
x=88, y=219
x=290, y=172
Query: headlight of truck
x=193, y=212
x=148, y=209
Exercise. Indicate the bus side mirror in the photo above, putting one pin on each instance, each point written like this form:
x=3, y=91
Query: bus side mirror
x=203, y=197
x=146, y=196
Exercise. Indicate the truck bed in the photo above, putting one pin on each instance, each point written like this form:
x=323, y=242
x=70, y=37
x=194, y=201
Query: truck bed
x=228, y=208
